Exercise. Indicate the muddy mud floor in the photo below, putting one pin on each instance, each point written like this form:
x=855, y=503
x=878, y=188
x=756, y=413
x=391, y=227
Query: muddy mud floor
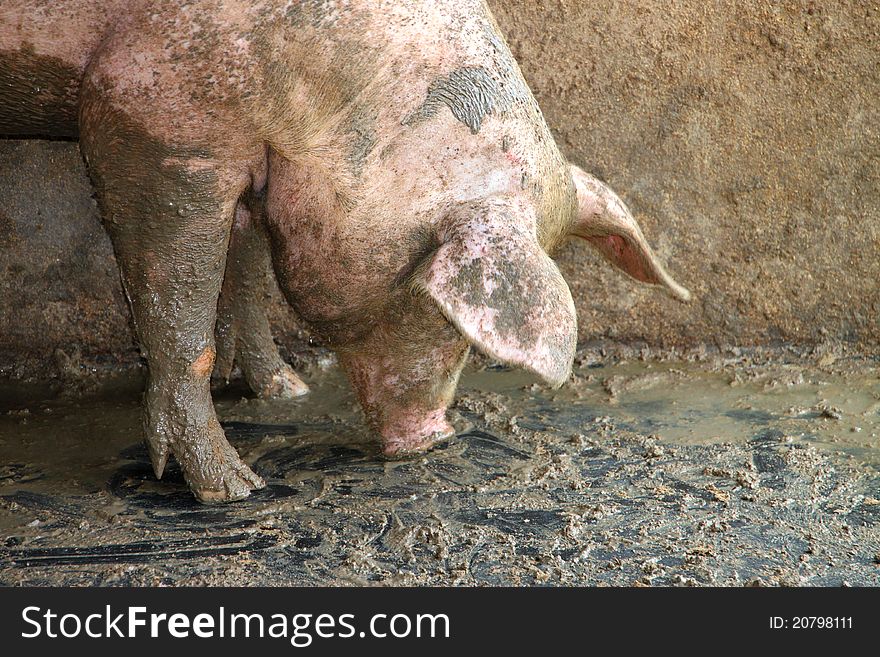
x=726, y=469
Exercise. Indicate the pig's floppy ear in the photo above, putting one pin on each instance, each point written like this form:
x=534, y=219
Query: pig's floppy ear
x=605, y=222
x=495, y=284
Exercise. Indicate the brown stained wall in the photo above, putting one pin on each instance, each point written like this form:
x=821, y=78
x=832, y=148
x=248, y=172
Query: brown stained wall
x=59, y=285
x=745, y=136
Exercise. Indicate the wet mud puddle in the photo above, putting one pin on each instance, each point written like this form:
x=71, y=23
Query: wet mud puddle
x=700, y=404
x=714, y=472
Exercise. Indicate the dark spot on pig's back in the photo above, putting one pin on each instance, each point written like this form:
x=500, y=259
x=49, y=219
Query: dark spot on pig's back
x=471, y=94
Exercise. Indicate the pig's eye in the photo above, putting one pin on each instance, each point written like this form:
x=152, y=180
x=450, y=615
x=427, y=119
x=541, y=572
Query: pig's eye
x=424, y=244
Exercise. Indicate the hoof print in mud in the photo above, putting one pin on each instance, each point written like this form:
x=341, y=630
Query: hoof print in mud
x=768, y=457
x=323, y=458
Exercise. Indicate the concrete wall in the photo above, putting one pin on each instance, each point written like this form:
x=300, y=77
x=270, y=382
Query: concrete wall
x=745, y=136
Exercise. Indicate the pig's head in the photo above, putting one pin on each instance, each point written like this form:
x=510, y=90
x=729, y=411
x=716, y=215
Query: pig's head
x=485, y=281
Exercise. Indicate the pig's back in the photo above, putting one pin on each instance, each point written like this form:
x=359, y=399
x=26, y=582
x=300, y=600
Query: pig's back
x=45, y=46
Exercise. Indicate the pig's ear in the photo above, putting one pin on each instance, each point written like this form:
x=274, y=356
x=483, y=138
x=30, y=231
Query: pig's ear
x=605, y=222
x=495, y=284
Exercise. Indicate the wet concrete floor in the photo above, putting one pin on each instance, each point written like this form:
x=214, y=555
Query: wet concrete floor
x=712, y=470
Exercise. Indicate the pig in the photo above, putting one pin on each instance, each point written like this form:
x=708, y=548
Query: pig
x=389, y=154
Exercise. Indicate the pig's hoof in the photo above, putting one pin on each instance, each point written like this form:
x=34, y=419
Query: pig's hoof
x=236, y=484
x=284, y=384
x=214, y=471
x=397, y=449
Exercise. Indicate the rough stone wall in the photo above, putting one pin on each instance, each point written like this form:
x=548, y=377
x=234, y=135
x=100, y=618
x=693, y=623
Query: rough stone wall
x=745, y=137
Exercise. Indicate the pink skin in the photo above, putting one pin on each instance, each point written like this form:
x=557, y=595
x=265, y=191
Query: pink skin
x=411, y=187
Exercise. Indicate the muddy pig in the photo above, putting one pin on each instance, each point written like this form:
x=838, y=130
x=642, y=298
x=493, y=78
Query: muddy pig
x=390, y=155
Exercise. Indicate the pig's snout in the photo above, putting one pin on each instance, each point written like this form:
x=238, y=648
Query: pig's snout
x=405, y=375
x=410, y=432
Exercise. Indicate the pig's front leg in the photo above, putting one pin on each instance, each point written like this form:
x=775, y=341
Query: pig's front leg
x=243, y=331
x=169, y=212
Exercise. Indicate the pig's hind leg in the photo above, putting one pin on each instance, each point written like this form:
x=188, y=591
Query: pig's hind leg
x=243, y=331
x=169, y=212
